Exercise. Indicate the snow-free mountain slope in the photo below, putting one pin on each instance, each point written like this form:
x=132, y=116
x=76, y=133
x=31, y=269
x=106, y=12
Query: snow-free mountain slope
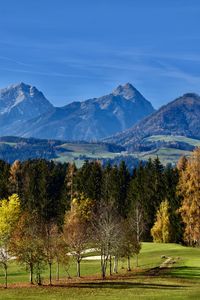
x=180, y=117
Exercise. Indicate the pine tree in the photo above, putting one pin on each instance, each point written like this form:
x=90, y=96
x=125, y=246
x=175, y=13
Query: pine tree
x=171, y=177
x=124, y=180
x=4, y=175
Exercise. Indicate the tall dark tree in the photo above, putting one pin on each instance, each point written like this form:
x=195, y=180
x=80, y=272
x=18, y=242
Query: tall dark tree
x=124, y=180
x=4, y=175
x=171, y=177
x=89, y=180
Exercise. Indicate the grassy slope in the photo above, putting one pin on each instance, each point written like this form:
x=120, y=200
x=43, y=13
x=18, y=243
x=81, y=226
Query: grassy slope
x=173, y=138
x=168, y=155
x=74, y=151
x=179, y=282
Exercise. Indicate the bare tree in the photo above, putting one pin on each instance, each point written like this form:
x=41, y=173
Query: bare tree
x=76, y=237
x=137, y=227
x=51, y=240
x=105, y=234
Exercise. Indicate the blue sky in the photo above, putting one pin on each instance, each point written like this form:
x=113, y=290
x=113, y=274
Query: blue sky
x=79, y=49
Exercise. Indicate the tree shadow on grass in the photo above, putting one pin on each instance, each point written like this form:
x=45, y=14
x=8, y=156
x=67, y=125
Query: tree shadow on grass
x=122, y=285
x=185, y=272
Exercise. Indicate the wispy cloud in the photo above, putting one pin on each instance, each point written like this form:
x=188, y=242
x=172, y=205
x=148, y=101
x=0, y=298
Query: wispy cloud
x=51, y=74
x=8, y=59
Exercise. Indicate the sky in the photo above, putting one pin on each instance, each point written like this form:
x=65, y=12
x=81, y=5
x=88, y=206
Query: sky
x=79, y=49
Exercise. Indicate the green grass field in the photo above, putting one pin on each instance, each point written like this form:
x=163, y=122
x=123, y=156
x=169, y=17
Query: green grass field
x=179, y=281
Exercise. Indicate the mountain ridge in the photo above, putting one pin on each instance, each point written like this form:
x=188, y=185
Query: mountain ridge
x=91, y=119
x=179, y=117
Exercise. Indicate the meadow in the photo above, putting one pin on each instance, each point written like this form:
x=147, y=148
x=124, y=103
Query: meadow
x=178, y=280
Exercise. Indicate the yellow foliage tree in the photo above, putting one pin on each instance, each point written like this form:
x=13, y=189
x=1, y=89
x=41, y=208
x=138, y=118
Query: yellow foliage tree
x=189, y=190
x=9, y=215
x=82, y=207
x=76, y=227
x=161, y=229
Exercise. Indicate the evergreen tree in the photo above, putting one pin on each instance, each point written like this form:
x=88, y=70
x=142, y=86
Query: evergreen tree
x=171, y=177
x=4, y=175
x=89, y=180
x=124, y=180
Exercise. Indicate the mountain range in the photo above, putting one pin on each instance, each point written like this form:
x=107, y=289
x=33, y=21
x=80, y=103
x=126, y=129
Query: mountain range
x=25, y=112
x=179, y=118
x=123, y=117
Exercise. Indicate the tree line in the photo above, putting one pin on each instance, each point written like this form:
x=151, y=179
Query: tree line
x=50, y=211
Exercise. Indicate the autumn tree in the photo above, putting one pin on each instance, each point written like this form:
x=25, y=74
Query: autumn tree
x=76, y=227
x=15, y=177
x=189, y=190
x=70, y=181
x=161, y=229
x=27, y=244
x=61, y=252
x=50, y=235
x=9, y=214
x=130, y=245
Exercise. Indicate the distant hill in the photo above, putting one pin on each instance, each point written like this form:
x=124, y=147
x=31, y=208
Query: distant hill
x=14, y=148
x=24, y=111
x=180, y=117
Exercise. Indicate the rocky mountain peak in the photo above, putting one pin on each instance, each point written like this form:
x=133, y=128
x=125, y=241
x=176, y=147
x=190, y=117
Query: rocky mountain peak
x=21, y=88
x=191, y=95
x=127, y=91
x=21, y=102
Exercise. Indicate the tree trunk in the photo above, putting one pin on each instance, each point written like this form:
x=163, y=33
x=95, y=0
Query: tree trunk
x=6, y=275
x=78, y=268
x=110, y=265
x=103, y=271
x=128, y=264
x=136, y=260
x=39, y=279
x=31, y=273
x=115, y=267
x=50, y=274
x=58, y=271
x=103, y=266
